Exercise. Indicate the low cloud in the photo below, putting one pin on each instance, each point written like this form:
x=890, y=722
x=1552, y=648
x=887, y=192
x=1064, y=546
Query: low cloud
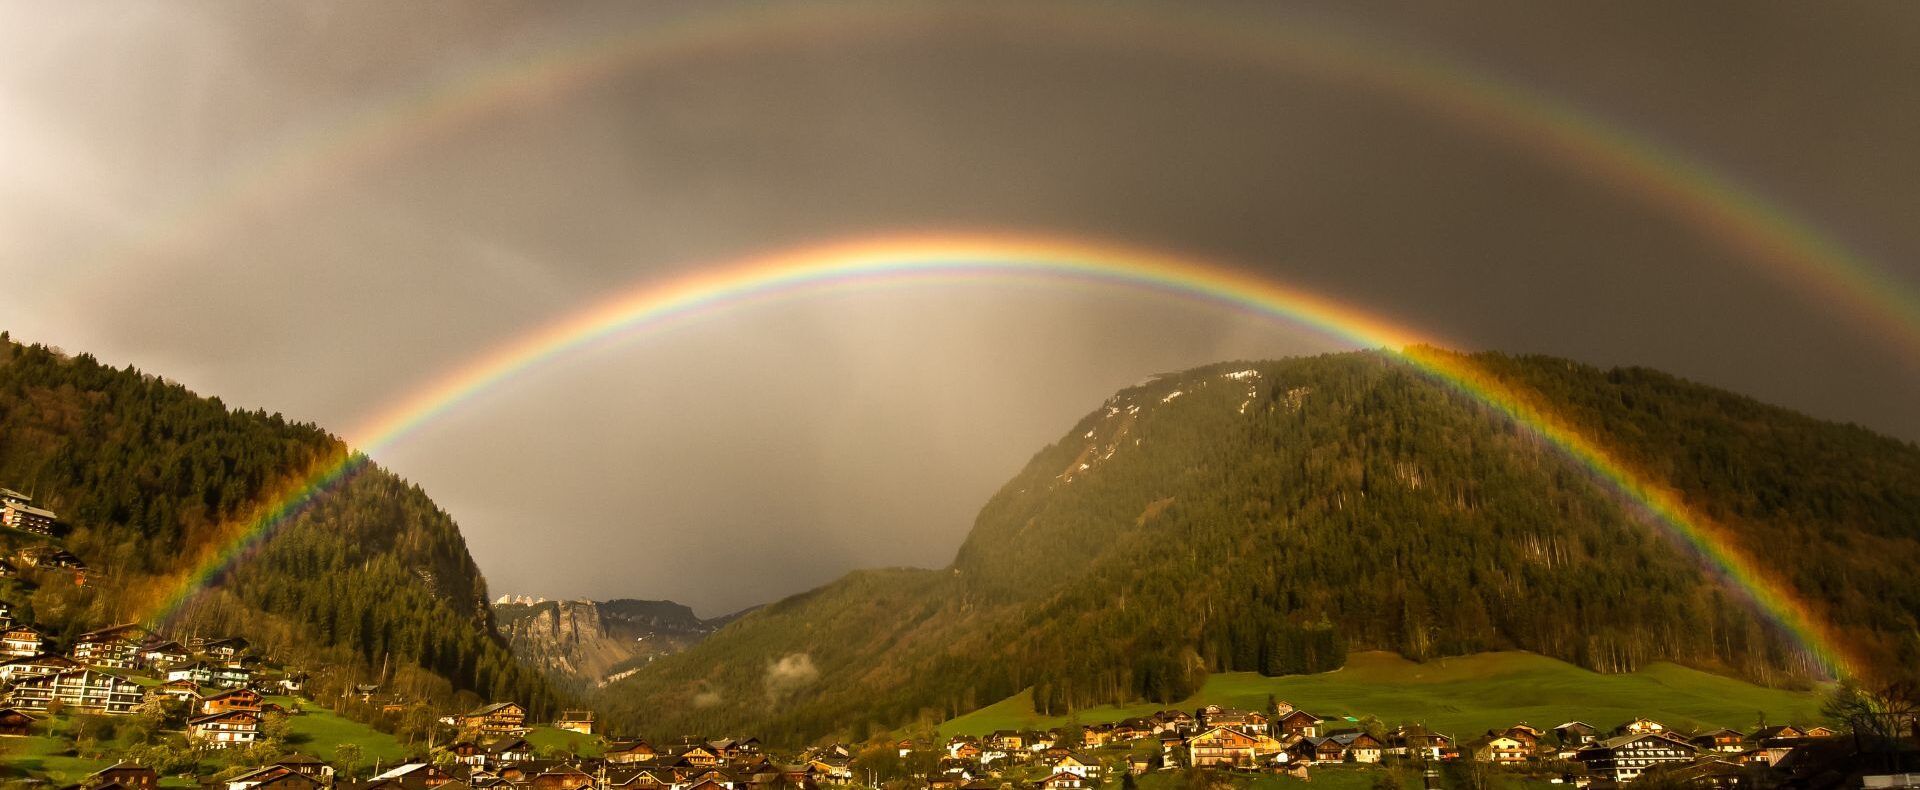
x=791, y=673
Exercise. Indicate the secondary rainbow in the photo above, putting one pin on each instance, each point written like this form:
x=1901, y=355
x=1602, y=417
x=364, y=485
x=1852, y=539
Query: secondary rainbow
x=1685, y=188
x=653, y=305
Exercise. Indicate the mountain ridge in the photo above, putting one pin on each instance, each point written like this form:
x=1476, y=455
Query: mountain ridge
x=1266, y=516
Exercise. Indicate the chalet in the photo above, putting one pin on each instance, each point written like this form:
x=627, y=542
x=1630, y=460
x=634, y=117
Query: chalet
x=15, y=722
x=117, y=647
x=1710, y=772
x=1418, y=743
x=1623, y=758
x=1359, y=747
x=580, y=721
x=643, y=779
x=507, y=749
x=235, y=699
x=564, y=777
x=125, y=775
x=210, y=674
x=1640, y=726
x=51, y=557
x=1527, y=736
x=274, y=777
x=1130, y=730
x=1722, y=740
x=21, y=641
x=1010, y=740
x=500, y=718
x=183, y=690
x=224, y=729
x=409, y=776
x=1247, y=721
x=307, y=765
x=1299, y=723
x=1777, y=731
x=228, y=648
x=161, y=653
x=1178, y=722
x=1317, y=749
x=699, y=757
x=34, y=666
x=1820, y=732
x=1497, y=748
x=1065, y=781
x=83, y=690
x=830, y=769
x=1076, y=763
x=1221, y=746
x=1576, y=733
x=629, y=752
x=25, y=517
x=963, y=749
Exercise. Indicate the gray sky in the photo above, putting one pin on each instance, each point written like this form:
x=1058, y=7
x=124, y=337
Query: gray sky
x=761, y=451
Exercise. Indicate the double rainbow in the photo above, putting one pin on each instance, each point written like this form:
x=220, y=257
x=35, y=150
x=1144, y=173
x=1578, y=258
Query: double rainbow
x=864, y=262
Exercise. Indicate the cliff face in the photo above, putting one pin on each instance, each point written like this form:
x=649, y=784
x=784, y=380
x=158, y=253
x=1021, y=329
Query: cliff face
x=587, y=643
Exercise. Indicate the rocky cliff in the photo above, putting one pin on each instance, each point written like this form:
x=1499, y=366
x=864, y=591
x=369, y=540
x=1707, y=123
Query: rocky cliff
x=586, y=643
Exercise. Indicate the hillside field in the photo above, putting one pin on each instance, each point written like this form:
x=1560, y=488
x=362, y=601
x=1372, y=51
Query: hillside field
x=1460, y=696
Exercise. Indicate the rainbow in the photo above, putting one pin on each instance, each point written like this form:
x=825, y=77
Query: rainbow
x=1684, y=188
x=653, y=305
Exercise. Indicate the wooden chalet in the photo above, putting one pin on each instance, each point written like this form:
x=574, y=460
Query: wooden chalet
x=274, y=777
x=126, y=775
x=1639, y=726
x=580, y=721
x=1299, y=723
x=1724, y=740
x=1576, y=733
x=629, y=752
x=1222, y=746
x=116, y=647
x=1497, y=747
x=500, y=718
x=15, y=722
x=233, y=699
x=225, y=729
x=21, y=641
x=1066, y=781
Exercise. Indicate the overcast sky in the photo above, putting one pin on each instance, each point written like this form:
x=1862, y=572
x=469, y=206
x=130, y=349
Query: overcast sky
x=245, y=197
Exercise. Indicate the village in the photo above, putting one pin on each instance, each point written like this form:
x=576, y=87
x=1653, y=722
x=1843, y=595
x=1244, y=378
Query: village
x=223, y=695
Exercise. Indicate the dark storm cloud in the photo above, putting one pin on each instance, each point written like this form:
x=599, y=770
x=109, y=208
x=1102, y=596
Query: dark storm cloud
x=761, y=451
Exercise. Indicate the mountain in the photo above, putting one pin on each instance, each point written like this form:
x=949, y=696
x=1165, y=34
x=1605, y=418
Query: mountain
x=1270, y=517
x=369, y=582
x=584, y=643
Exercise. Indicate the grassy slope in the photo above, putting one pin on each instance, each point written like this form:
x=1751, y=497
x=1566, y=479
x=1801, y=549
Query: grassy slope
x=1461, y=696
x=318, y=731
x=564, y=740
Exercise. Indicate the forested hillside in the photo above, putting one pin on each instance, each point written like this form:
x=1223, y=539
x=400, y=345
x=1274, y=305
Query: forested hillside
x=1269, y=517
x=371, y=582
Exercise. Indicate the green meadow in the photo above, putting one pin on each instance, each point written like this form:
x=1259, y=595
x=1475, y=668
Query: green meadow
x=1460, y=696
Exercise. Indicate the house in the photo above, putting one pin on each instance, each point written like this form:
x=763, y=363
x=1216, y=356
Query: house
x=407, y=776
x=117, y=647
x=34, y=666
x=83, y=690
x=1576, y=733
x=1497, y=748
x=580, y=721
x=226, y=648
x=1722, y=740
x=15, y=722
x=126, y=775
x=21, y=641
x=1640, y=726
x=1247, y=721
x=629, y=752
x=274, y=777
x=500, y=718
x=1418, y=743
x=1777, y=731
x=224, y=729
x=1358, y=746
x=183, y=690
x=51, y=557
x=159, y=653
x=1711, y=772
x=507, y=749
x=235, y=699
x=1010, y=740
x=307, y=765
x=830, y=769
x=1299, y=723
x=17, y=512
x=1076, y=763
x=1065, y=781
x=1221, y=746
x=1624, y=757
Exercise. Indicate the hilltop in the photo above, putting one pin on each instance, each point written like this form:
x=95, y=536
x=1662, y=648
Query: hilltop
x=1270, y=517
x=370, y=583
